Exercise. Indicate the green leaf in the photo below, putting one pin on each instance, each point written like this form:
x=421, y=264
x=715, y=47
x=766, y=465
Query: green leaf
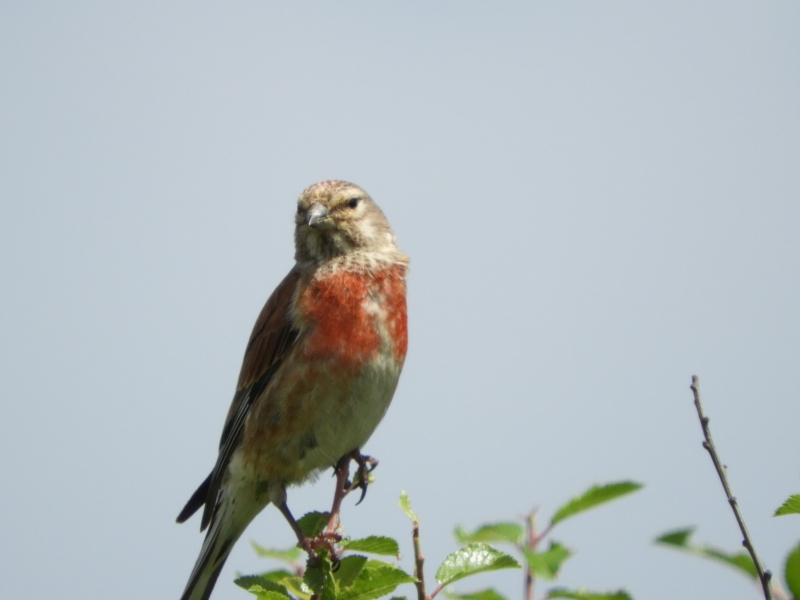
x=487, y=594
x=292, y=555
x=547, y=564
x=313, y=523
x=293, y=583
x=276, y=576
x=471, y=560
x=586, y=595
x=297, y=586
x=263, y=594
x=594, y=496
x=791, y=506
x=738, y=560
x=349, y=568
x=497, y=532
x=791, y=572
x=680, y=539
x=405, y=504
x=376, y=579
x=374, y=544
x=319, y=576
x=676, y=537
x=263, y=583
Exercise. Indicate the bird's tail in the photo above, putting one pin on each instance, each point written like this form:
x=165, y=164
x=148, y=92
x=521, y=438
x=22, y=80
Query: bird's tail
x=229, y=522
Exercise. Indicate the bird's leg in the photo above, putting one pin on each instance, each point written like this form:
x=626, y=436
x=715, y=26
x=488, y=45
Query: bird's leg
x=303, y=540
x=308, y=544
x=366, y=464
x=344, y=486
x=342, y=472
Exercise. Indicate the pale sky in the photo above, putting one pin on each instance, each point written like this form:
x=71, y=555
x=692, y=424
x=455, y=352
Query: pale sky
x=599, y=200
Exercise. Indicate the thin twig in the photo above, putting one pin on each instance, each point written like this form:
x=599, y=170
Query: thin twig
x=530, y=542
x=763, y=575
x=419, y=560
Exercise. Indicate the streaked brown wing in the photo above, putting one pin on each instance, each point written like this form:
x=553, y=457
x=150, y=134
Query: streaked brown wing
x=272, y=337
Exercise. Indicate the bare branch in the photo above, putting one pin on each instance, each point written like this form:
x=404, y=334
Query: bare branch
x=419, y=560
x=764, y=575
x=530, y=542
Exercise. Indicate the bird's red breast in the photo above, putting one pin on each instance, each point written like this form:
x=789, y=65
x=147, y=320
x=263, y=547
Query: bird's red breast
x=351, y=315
x=339, y=375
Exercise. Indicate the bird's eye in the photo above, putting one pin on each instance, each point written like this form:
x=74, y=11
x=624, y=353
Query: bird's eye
x=299, y=210
x=352, y=203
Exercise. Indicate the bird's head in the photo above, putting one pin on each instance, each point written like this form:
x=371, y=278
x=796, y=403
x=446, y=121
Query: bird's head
x=336, y=218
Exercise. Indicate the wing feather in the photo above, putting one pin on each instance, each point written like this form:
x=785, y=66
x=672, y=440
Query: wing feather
x=272, y=337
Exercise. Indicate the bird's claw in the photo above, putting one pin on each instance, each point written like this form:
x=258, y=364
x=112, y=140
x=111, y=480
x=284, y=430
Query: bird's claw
x=366, y=464
x=327, y=541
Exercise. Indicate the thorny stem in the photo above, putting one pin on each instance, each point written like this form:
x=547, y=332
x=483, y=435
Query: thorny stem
x=763, y=575
x=419, y=560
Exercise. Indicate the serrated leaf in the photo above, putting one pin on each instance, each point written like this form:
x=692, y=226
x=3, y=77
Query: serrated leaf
x=263, y=594
x=292, y=582
x=471, y=560
x=297, y=586
x=676, y=537
x=680, y=539
x=374, y=544
x=547, y=564
x=405, y=504
x=496, y=532
x=586, y=595
x=277, y=576
x=313, y=523
x=594, y=496
x=791, y=506
x=319, y=576
x=292, y=555
x=791, y=572
x=263, y=583
x=741, y=561
x=487, y=594
x=348, y=569
x=376, y=579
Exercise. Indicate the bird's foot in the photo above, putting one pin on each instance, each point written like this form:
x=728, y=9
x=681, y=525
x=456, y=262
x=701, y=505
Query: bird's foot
x=366, y=464
x=327, y=541
x=307, y=544
x=344, y=486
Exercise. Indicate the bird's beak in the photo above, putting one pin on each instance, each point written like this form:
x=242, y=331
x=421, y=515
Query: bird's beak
x=316, y=213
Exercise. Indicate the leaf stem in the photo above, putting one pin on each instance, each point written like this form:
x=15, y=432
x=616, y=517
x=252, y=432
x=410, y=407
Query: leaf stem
x=763, y=575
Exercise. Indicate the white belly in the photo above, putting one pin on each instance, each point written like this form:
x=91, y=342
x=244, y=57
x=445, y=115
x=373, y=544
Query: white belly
x=340, y=431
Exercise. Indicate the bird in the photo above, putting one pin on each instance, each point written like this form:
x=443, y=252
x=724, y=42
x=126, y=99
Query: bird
x=319, y=370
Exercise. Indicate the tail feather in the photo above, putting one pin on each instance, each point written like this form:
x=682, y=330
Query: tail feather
x=197, y=500
x=235, y=509
x=208, y=566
